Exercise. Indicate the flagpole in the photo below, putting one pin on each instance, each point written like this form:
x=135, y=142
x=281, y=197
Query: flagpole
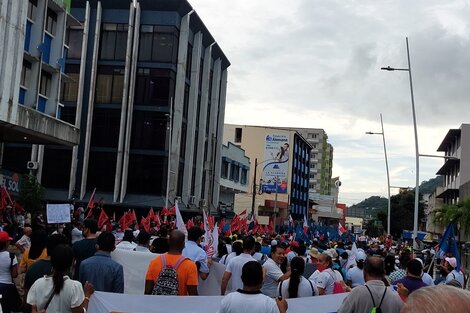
x=169, y=128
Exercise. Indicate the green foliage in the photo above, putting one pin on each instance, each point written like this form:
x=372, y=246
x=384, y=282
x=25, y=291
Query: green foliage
x=402, y=211
x=429, y=186
x=382, y=217
x=372, y=202
x=459, y=213
x=373, y=229
x=31, y=193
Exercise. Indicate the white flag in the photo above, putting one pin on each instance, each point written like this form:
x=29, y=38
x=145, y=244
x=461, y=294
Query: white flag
x=179, y=220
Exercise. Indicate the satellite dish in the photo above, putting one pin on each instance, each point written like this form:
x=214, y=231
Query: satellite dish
x=338, y=183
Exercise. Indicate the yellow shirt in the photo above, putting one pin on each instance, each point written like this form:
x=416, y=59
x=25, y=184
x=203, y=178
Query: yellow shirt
x=26, y=262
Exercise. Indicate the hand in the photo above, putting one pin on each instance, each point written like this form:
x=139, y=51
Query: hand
x=89, y=289
x=209, y=262
x=281, y=304
x=402, y=291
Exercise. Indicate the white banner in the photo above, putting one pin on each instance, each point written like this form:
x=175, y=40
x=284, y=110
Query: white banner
x=104, y=302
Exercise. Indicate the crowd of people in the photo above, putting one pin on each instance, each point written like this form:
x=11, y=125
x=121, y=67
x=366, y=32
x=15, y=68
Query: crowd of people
x=57, y=268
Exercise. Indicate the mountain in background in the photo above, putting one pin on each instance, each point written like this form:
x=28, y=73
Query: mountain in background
x=378, y=203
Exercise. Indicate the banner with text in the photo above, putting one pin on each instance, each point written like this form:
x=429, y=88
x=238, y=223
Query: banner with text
x=276, y=158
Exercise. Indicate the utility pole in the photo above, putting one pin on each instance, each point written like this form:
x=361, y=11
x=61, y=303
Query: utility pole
x=253, y=197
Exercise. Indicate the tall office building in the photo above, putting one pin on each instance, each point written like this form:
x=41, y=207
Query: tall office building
x=147, y=87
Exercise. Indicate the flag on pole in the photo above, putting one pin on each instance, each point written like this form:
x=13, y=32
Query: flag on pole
x=91, y=202
x=151, y=215
x=291, y=224
x=305, y=224
x=205, y=221
x=179, y=220
x=103, y=219
x=449, y=245
x=341, y=229
x=212, y=242
x=145, y=223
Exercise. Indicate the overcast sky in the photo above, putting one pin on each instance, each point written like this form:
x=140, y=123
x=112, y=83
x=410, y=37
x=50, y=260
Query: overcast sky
x=316, y=63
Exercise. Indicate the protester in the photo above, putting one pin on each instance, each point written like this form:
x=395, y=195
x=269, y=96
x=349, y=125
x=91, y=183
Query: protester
x=454, y=273
x=25, y=241
x=237, y=249
x=401, y=272
x=186, y=270
x=85, y=248
x=193, y=251
x=249, y=298
x=296, y=286
x=314, y=255
x=257, y=255
x=327, y=277
x=100, y=270
x=37, y=250
x=127, y=242
x=412, y=281
x=143, y=239
x=438, y=299
x=293, y=251
x=235, y=265
x=374, y=294
x=273, y=273
x=76, y=233
x=355, y=276
x=10, y=300
x=159, y=245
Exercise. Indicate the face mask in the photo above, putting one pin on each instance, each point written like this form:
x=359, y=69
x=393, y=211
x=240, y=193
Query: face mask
x=321, y=267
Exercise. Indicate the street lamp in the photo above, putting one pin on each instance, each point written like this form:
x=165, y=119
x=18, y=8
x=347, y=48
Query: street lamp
x=386, y=168
x=415, y=220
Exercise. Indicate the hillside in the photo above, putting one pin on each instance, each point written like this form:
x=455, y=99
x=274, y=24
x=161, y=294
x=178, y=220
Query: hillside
x=429, y=186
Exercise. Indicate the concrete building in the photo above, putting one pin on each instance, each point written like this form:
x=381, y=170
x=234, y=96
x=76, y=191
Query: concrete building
x=234, y=176
x=148, y=91
x=280, y=160
x=456, y=168
x=32, y=55
x=434, y=203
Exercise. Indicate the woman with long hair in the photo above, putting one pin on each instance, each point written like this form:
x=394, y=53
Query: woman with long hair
x=37, y=251
x=10, y=300
x=59, y=293
x=296, y=286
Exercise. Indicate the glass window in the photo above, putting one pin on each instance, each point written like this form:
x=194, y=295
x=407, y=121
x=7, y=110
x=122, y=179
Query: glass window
x=146, y=36
x=153, y=87
x=32, y=8
x=145, y=174
x=74, y=41
x=101, y=170
x=69, y=90
x=224, y=169
x=243, y=176
x=51, y=21
x=238, y=135
x=113, y=41
x=109, y=85
x=45, y=86
x=25, y=72
x=54, y=161
x=68, y=114
x=158, y=44
x=189, y=61
x=148, y=130
x=105, y=122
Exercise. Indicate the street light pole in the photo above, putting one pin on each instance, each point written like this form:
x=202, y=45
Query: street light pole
x=253, y=197
x=388, y=173
x=416, y=206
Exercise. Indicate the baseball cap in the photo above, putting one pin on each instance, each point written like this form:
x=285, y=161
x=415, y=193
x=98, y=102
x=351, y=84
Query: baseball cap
x=4, y=236
x=273, y=242
x=294, y=244
x=452, y=262
x=361, y=256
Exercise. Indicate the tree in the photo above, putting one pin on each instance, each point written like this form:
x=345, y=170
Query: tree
x=31, y=193
x=402, y=211
x=373, y=229
x=459, y=213
x=382, y=217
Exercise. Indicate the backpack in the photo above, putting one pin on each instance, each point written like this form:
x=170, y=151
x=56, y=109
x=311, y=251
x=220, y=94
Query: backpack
x=167, y=281
x=376, y=309
x=337, y=287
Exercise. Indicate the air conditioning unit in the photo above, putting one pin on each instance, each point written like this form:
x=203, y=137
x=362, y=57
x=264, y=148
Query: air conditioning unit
x=203, y=203
x=192, y=200
x=31, y=165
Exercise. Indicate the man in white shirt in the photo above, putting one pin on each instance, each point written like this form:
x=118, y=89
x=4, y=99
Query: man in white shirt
x=454, y=272
x=273, y=273
x=235, y=265
x=250, y=299
x=24, y=242
x=143, y=242
x=355, y=275
x=127, y=242
x=193, y=251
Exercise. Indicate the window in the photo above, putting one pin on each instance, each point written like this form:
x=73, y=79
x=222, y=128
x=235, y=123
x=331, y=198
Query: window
x=101, y=170
x=32, y=7
x=243, y=178
x=158, y=44
x=238, y=135
x=142, y=177
x=235, y=172
x=45, y=87
x=51, y=22
x=109, y=85
x=312, y=175
x=74, y=41
x=69, y=90
x=224, y=169
x=25, y=72
x=154, y=87
x=189, y=60
x=314, y=155
x=149, y=130
x=113, y=41
x=106, y=124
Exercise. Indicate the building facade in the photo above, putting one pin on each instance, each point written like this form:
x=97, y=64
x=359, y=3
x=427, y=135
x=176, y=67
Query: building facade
x=148, y=85
x=32, y=57
x=456, y=168
x=279, y=171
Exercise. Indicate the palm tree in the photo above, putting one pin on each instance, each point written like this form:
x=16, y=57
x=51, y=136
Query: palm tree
x=460, y=214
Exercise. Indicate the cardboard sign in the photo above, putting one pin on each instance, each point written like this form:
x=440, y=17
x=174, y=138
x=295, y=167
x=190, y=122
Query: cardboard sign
x=58, y=213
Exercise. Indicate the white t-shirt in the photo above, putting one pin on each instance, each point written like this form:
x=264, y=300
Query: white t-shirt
x=272, y=273
x=326, y=280
x=5, y=272
x=227, y=258
x=235, y=266
x=258, y=256
x=427, y=279
x=76, y=235
x=196, y=254
x=24, y=242
x=239, y=302
x=126, y=245
x=313, y=278
x=305, y=288
x=71, y=295
x=458, y=276
x=356, y=276
x=290, y=256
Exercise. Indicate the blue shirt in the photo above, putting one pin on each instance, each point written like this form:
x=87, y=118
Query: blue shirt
x=412, y=283
x=104, y=273
x=196, y=254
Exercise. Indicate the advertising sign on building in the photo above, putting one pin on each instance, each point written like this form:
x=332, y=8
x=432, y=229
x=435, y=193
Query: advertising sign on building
x=11, y=181
x=276, y=156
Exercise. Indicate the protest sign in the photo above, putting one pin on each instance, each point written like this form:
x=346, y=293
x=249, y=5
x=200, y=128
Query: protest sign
x=58, y=213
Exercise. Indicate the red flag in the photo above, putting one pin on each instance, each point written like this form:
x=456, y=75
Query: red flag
x=102, y=219
x=190, y=223
x=151, y=215
x=145, y=223
x=157, y=220
x=114, y=216
x=270, y=226
x=211, y=221
x=164, y=212
x=133, y=217
x=91, y=202
x=172, y=211
x=123, y=221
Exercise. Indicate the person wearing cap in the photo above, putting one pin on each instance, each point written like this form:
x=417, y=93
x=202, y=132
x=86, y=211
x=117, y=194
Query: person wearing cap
x=355, y=275
x=8, y=269
x=427, y=279
x=454, y=273
x=315, y=254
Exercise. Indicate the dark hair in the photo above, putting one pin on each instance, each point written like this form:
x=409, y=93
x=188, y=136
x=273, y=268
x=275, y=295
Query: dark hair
x=194, y=233
x=221, y=249
x=301, y=250
x=91, y=224
x=414, y=267
x=404, y=259
x=275, y=247
x=143, y=237
x=160, y=245
x=374, y=266
x=237, y=247
x=297, y=267
x=106, y=241
x=38, y=243
x=248, y=243
x=389, y=264
x=252, y=274
x=228, y=240
x=61, y=261
x=54, y=240
x=128, y=235
x=257, y=247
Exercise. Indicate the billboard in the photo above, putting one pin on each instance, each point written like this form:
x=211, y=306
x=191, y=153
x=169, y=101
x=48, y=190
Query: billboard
x=276, y=159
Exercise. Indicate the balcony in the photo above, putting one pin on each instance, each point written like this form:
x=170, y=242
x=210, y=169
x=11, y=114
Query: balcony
x=448, y=166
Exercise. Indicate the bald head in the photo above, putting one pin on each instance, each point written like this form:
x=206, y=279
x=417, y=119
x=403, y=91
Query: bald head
x=374, y=268
x=27, y=231
x=176, y=241
x=437, y=299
